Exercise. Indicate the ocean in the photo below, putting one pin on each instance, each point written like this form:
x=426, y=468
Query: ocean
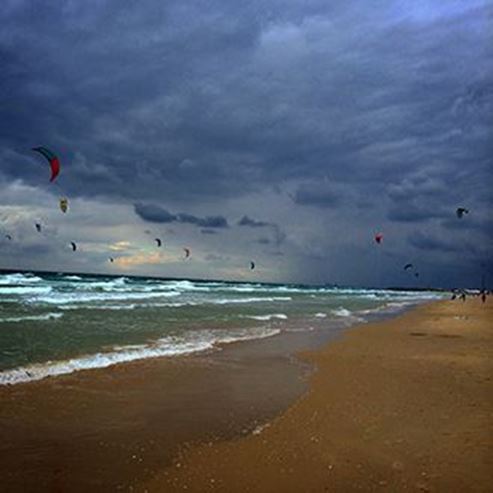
x=55, y=324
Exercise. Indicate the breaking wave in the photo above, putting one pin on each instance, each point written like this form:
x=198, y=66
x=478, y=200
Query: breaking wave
x=164, y=347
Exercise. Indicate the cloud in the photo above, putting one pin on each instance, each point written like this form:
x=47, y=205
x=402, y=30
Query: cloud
x=365, y=114
x=206, y=222
x=431, y=243
x=156, y=214
x=316, y=194
x=252, y=223
x=120, y=246
x=139, y=259
x=410, y=213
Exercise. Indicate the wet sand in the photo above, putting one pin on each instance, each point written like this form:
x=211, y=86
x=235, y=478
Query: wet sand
x=112, y=429
x=400, y=405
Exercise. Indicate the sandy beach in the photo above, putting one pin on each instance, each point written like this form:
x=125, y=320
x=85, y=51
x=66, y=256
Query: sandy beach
x=402, y=405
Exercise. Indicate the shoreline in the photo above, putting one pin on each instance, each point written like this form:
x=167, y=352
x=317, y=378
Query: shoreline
x=39, y=372
x=127, y=426
x=398, y=405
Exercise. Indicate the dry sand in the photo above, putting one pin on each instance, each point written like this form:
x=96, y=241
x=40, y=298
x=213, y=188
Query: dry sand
x=401, y=405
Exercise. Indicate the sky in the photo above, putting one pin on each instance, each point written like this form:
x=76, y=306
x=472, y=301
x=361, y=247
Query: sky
x=284, y=132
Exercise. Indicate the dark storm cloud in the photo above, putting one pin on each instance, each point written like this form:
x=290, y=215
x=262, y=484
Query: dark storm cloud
x=206, y=222
x=252, y=223
x=344, y=103
x=316, y=194
x=409, y=213
x=156, y=214
x=429, y=242
x=278, y=235
x=217, y=98
x=471, y=225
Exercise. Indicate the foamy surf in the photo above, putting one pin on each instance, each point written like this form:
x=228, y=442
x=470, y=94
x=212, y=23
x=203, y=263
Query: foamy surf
x=164, y=347
x=32, y=318
x=97, y=321
x=279, y=316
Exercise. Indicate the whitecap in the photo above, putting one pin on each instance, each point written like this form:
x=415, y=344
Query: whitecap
x=280, y=316
x=167, y=346
x=34, y=318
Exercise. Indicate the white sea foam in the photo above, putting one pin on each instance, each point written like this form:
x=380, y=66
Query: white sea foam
x=167, y=346
x=390, y=307
x=226, y=301
x=23, y=290
x=342, y=312
x=45, y=316
x=19, y=279
x=348, y=316
x=72, y=298
x=320, y=315
x=270, y=316
x=78, y=305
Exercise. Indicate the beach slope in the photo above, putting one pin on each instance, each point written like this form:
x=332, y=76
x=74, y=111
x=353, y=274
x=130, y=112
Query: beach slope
x=400, y=405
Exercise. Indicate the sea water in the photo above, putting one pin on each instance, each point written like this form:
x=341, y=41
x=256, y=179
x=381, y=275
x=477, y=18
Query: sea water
x=55, y=324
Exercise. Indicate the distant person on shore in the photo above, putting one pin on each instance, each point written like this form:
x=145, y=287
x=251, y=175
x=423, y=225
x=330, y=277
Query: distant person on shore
x=483, y=295
x=463, y=296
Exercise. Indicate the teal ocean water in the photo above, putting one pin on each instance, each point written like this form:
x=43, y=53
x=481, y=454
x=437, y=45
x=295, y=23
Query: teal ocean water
x=59, y=324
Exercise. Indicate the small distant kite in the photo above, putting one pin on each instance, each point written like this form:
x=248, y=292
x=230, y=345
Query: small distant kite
x=111, y=259
x=252, y=265
x=379, y=238
x=416, y=274
x=8, y=237
x=408, y=266
x=52, y=159
x=64, y=204
x=187, y=252
x=461, y=211
x=38, y=227
x=74, y=246
x=158, y=241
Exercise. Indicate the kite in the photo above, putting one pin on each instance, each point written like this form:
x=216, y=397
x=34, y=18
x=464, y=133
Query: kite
x=158, y=241
x=64, y=204
x=408, y=266
x=187, y=252
x=52, y=159
x=74, y=246
x=38, y=227
x=111, y=259
x=252, y=265
x=461, y=211
x=8, y=237
x=379, y=238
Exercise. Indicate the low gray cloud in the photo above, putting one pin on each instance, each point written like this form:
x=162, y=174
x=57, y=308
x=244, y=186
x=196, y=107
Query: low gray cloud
x=410, y=213
x=156, y=214
x=252, y=223
x=431, y=243
x=317, y=194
